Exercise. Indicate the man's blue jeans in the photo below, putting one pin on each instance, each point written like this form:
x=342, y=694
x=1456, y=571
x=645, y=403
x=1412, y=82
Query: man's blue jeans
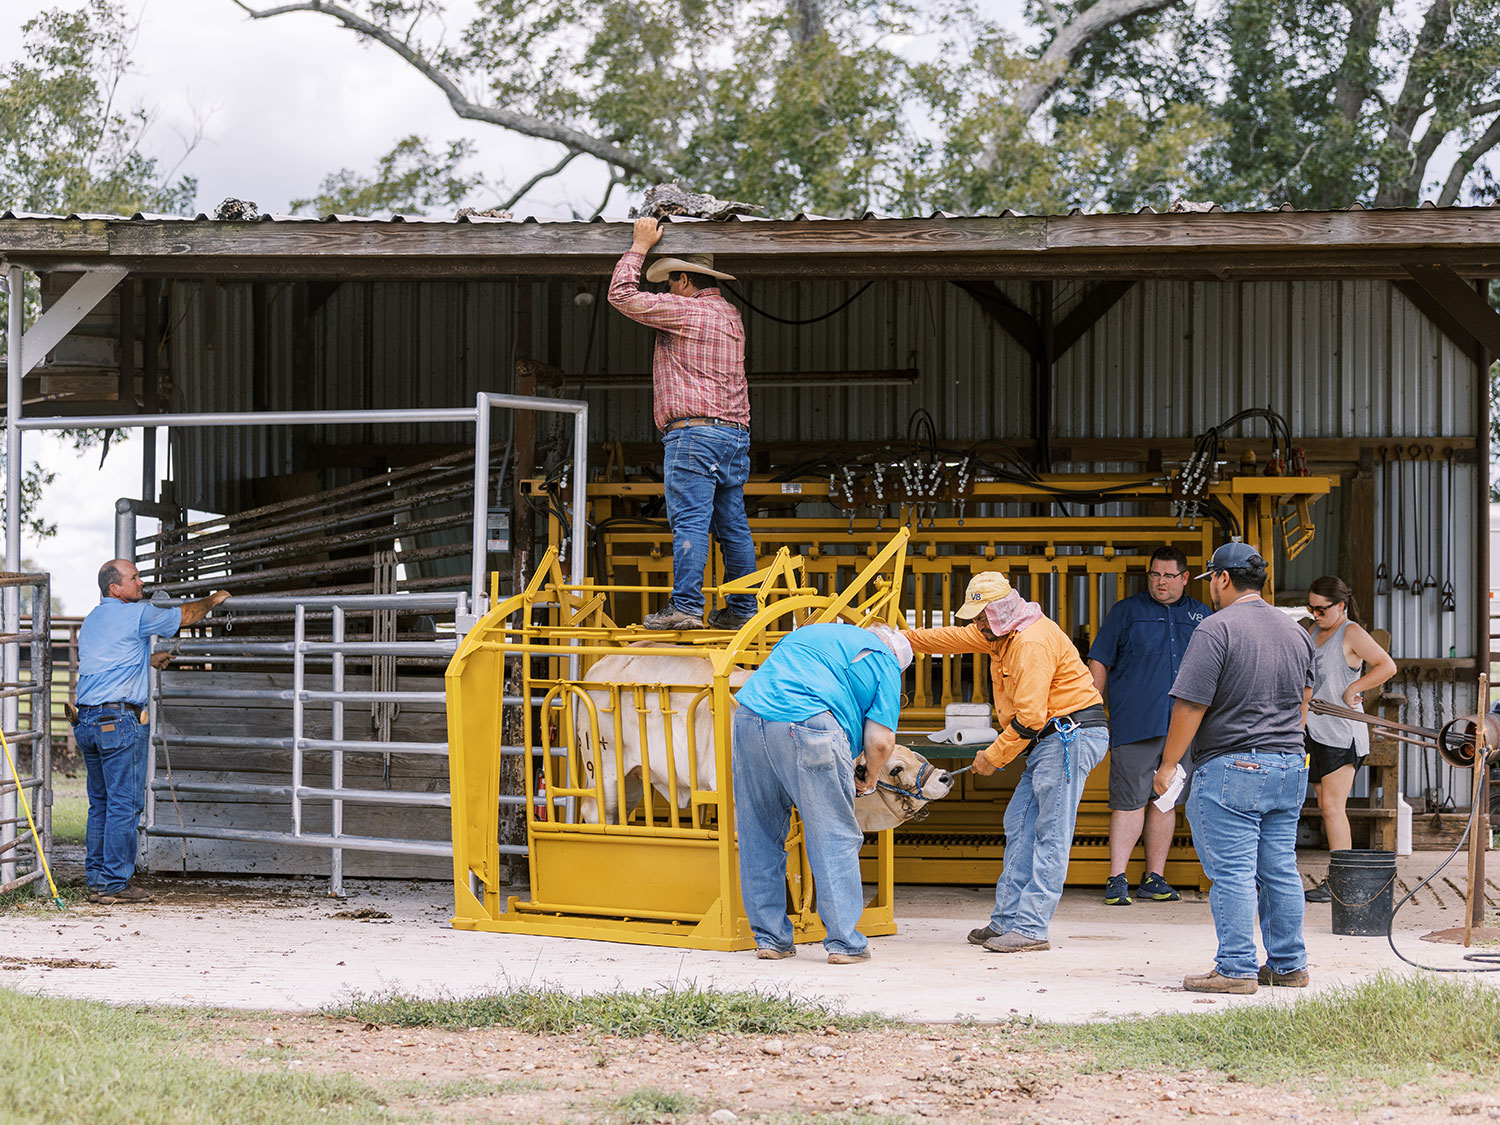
x=114, y=743
x=806, y=764
x=1243, y=809
x=1039, y=830
x=704, y=469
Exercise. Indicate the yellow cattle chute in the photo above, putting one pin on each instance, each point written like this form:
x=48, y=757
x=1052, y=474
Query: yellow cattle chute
x=666, y=871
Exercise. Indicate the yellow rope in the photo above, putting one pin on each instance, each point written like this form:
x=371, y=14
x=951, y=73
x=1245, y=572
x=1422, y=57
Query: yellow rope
x=26, y=806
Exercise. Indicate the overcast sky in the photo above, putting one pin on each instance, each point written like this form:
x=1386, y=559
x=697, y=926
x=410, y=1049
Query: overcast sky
x=279, y=104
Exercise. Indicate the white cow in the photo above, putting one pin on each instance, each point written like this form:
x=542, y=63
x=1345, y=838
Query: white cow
x=686, y=675
x=907, y=782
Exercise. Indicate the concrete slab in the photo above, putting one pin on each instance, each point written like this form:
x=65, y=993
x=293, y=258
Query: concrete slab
x=280, y=944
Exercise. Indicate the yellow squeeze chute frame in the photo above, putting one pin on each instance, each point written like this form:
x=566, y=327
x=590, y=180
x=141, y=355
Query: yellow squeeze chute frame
x=667, y=871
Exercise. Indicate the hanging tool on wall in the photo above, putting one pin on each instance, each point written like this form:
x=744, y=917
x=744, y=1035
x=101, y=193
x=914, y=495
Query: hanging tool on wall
x=1418, y=541
x=1399, y=582
x=1382, y=574
x=1429, y=580
x=1448, y=594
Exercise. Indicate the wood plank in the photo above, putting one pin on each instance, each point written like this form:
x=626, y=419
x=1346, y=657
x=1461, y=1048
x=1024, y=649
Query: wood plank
x=1460, y=302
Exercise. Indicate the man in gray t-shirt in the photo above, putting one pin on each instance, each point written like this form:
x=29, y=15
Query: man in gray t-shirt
x=1240, y=698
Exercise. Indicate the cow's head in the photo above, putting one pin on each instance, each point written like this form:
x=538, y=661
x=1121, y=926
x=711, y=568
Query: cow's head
x=902, y=791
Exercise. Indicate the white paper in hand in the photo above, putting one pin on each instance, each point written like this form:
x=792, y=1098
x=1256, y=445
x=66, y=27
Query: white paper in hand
x=1168, y=800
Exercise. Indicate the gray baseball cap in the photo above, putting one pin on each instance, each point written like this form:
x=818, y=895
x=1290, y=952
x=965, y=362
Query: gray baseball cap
x=1233, y=556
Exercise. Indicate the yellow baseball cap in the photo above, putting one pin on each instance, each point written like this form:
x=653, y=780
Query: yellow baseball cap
x=985, y=587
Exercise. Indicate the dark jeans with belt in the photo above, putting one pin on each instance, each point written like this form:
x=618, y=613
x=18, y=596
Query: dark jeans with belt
x=114, y=743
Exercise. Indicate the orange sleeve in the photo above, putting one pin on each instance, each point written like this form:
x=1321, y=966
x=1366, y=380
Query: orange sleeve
x=1030, y=695
x=948, y=639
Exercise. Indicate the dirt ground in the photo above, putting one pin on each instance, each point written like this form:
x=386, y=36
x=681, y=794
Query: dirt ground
x=956, y=1074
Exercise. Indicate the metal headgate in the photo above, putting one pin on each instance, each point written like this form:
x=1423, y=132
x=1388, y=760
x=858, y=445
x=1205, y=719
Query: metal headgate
x=657, y=864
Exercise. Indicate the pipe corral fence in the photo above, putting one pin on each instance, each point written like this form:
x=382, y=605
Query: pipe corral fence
x=301, y=651
x=26, y=778
x=626, y=845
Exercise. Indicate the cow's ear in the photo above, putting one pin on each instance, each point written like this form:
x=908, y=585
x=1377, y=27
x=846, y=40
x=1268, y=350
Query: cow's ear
x=861, y=772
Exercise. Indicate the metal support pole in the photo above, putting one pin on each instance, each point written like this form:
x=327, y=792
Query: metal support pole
x=336, y=862
x=10, y=665
x=299, y=676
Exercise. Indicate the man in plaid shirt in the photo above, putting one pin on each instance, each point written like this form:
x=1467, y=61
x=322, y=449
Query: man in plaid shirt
x=702, y=408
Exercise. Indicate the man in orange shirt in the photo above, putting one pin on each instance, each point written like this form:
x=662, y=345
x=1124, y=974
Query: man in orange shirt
x=1048, y=709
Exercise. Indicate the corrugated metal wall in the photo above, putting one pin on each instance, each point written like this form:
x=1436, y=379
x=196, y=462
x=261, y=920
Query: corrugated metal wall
x=1340, y=359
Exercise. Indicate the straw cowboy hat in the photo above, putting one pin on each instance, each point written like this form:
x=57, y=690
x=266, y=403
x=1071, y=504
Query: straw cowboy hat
x=985, y=587
x=691, y=263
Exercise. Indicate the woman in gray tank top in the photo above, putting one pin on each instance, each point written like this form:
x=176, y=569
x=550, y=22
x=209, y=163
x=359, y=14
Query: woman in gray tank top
x=1335, y=746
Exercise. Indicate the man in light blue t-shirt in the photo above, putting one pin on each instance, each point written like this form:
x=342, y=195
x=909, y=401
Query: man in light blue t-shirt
x=826, y=694
x=114, y=680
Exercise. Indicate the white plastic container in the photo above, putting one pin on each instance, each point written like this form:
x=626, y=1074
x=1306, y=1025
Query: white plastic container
x=1403, y=826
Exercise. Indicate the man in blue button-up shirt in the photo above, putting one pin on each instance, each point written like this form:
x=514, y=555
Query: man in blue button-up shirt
x=1134, y=660
x=114, y=659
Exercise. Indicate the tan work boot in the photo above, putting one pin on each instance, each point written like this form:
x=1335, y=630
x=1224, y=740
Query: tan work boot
x=1295, y=979
x=771, y=953
x=849, y=958
x=1214, y=982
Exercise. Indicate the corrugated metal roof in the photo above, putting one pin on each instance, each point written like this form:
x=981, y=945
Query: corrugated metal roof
x=1179, y=208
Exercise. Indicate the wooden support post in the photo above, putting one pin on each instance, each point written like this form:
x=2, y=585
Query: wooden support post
x=1474, y=904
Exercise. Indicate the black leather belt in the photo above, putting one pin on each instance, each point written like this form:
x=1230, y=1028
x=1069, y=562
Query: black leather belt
x=679, y=423
x=118, y=704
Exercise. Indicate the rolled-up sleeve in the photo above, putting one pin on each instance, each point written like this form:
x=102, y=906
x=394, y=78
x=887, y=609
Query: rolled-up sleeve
x=658, y=310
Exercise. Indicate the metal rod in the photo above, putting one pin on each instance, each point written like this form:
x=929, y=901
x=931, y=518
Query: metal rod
x=10, y=663
x=336, y=856
x=252, y=418
x=358, y=843
x=298, y=682
x=393, y=797
x=371, y=747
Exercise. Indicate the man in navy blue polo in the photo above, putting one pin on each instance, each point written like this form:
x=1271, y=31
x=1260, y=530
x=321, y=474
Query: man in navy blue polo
x=114, y=681
x=1134, y=660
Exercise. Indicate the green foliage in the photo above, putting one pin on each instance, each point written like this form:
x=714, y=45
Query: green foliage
x=676, y=1013
x=65, y=143
x=410, y=178
x=838, y=106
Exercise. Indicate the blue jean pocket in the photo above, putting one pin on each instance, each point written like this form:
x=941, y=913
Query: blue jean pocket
x=1244, y=785
x=818, y=749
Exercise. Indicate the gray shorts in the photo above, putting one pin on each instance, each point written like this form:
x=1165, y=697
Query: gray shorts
x=1131, y=768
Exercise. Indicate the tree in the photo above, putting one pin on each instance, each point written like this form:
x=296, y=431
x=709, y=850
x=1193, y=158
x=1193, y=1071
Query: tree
x=67, y=146
x=1329, y=102
x=797, y=105
x=410, y=177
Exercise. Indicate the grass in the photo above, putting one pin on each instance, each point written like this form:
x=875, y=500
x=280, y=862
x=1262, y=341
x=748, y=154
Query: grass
x=24, y=900
x=649, y=1103
x=78, y=1061
x=70, y=809
x=1391, y=1029
x=675, y=1013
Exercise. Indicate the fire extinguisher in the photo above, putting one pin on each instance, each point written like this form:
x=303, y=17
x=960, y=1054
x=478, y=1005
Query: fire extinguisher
x=539, y=807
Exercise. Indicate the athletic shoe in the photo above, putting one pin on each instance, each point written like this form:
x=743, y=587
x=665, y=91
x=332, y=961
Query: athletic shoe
x=1157, y=889
x=1320, y=893
x=1117, y=891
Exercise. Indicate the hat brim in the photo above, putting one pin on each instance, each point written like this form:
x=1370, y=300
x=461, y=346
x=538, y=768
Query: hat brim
x=658, y=270
x=970, y=610
x=1209, y=573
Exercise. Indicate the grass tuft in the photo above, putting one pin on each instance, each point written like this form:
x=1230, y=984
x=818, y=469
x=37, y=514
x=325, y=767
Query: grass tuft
x=649, y=1103
x=1391, y=1028
x=675, y=1013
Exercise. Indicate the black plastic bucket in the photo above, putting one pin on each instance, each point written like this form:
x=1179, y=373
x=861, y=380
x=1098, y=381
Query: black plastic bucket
x=1363, y=886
